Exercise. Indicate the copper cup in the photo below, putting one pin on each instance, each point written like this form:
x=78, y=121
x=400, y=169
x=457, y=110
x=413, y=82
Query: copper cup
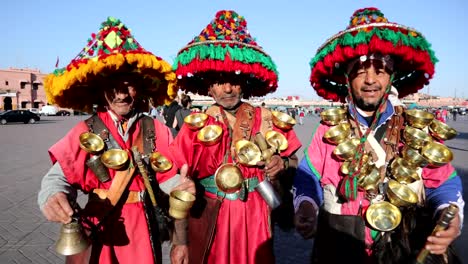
x=437, y=154
x=383, y=216
x=416, y=138
x=159, y=162
x=441, y=131
x=115, y=158
x=418, y=118
x=196, y=121
x=333, y=116
x=180, y=203
x=210, y=135
x=228, y=178
x=337, y=134
x=400, y=194
x=282, y=120
x=247, y=152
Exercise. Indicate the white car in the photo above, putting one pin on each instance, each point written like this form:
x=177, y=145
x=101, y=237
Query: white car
x=48, y=110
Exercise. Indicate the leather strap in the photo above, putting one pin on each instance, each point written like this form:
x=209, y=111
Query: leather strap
x=132, y=197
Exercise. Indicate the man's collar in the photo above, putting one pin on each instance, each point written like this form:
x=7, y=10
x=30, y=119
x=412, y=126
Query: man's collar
x=386, y=114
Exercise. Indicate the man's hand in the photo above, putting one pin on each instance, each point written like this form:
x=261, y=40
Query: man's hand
x=185, y=183
x=438, y=244
x=274, y=167
x=305, y=220
x=58, y=209
x=179, y=254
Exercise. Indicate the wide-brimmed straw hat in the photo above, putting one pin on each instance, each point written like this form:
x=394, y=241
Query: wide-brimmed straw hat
x=113, y=50
x=226, y=46
x=369, y=32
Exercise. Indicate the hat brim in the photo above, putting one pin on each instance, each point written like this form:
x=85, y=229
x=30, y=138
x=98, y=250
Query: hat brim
x=73, y=86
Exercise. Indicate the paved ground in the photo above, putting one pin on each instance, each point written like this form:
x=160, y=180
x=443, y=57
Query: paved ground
x=26, y=237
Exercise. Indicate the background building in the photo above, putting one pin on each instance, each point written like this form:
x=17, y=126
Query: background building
x=22, y=88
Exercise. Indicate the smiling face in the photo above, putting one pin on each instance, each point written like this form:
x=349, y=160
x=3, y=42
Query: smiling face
x=369, y=81
x=120, y=96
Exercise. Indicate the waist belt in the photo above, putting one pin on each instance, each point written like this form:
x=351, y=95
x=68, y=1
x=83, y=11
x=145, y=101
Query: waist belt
x=210, y=186
x=133, y=196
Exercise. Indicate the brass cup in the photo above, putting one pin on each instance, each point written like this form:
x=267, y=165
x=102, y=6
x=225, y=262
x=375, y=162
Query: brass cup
x=346, y=167
x=91, y=143
x=196, y=121
x=346, y=149
x=400, y=194
x=248, y=153
x=369, y=182
x=180, y=203
x=437, y=154
x=338, y=133
x=413, y=158
x=228, y=178
x=114, y=159
x=403, y=172
x=441, y=131
x=210, y=135
x=159, y=162
x=276, y=140
x=383, y=216
x=282, y=120
x=418, y=118
x=72, y=239
x=333, y=116
x=416, y=138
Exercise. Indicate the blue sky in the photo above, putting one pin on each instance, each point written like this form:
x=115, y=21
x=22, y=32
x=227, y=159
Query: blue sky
x=36, y=32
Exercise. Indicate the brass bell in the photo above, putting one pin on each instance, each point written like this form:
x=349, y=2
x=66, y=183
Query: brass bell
x=72, y=239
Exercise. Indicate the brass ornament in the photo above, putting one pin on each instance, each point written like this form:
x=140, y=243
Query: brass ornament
x=196, y=121
x=91, y=143
x=282, y=120
x=210, y=135
x=333, y=116
x=180, y=203
x=159, y=162
x=383, y=216
x=418, y=118
x=115, y=159
x=228, y=178
x=72, y=239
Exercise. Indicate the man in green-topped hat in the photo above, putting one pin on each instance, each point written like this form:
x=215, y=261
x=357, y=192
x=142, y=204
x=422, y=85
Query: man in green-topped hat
x=358, y=206
x=124, y=214
x=230, y=225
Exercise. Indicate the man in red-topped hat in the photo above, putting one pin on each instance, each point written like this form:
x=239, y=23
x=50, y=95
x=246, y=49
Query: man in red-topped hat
x=358, y=206
x=231, y=225
x=104, y=155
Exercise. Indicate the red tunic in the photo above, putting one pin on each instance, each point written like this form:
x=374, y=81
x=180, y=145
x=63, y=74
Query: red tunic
x=125, y=235
x=243, y=229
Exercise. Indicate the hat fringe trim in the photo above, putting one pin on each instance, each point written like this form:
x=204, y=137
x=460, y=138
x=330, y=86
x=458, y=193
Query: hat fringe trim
x=268, y=79
x=396, y=37
x=59, y=82
x=244, y=55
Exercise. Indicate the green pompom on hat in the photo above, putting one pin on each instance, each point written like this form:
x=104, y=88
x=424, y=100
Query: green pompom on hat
x=369, y=32
x=226, y=46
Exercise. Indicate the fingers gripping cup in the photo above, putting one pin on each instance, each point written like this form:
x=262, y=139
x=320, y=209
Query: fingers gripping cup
x=180, y=203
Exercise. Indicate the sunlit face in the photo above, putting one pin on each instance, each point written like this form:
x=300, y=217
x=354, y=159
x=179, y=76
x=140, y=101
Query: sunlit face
x=121, y=97
x=368, y=85
x=226, y=94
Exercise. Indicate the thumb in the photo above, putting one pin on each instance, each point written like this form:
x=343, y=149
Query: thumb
x=183, y=172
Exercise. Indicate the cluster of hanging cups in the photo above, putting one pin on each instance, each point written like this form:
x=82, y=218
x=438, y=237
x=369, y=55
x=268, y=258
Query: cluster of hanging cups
x=421, y=149
x=228, y=177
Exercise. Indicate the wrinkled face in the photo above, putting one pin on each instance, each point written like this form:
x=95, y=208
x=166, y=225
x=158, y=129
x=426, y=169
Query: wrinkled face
x=226, y=94
x=368, y=84
x=121, y=97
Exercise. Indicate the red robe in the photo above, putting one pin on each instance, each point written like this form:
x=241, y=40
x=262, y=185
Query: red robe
x=243, y=229
x=125, y=235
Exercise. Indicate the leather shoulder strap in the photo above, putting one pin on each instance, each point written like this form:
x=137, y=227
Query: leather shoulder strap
x=98, y=127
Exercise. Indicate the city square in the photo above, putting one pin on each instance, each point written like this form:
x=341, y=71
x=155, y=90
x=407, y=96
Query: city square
x=26, y=236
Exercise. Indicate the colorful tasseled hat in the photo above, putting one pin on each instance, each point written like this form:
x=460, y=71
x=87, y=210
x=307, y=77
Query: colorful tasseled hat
x=368, y=33
x=112, y=50
x=225, y=45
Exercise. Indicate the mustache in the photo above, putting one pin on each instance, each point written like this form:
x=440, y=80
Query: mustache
x=371, y=87
x=127, y=100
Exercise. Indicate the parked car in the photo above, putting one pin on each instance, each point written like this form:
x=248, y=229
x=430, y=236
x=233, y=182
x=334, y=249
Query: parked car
x=48, y=110
x=63, y=113
x=24, y=116
x=34, y=110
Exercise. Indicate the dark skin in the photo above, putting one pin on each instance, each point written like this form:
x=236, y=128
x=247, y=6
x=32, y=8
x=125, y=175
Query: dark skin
x=368, y=87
